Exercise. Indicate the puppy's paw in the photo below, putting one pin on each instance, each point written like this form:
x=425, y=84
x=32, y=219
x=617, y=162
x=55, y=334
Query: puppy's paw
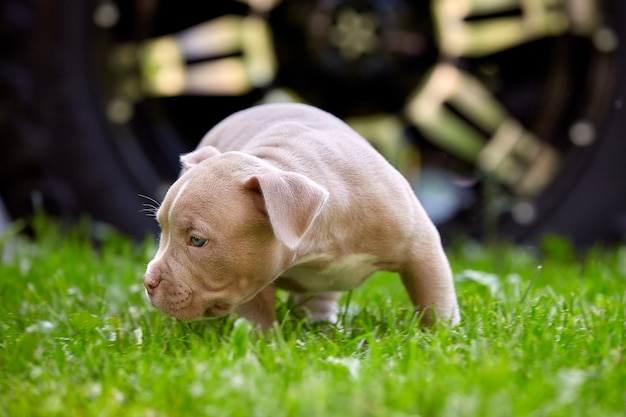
x=319, y=307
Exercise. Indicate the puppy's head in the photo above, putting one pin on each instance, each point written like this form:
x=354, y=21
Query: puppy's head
x=229, y=226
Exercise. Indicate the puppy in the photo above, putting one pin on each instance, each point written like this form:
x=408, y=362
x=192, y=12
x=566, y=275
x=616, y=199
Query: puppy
x=288, y=196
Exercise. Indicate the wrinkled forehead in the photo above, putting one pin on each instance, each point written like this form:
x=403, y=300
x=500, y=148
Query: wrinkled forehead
x=172, y=197
x=198, y=195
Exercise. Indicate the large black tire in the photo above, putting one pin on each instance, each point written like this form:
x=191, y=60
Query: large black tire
x=587, y=202
x=58, y=147
x=58, y=150
x=592, y=205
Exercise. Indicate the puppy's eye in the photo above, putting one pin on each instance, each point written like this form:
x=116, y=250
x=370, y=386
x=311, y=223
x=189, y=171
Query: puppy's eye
x=198, y=242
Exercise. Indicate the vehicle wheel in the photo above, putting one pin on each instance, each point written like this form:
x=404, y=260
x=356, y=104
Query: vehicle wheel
x=59, y=151
x=507, y=119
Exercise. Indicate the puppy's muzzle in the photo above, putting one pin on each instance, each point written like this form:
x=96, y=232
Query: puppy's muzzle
x=151, y=281
x=168, y=295
x=176, y=299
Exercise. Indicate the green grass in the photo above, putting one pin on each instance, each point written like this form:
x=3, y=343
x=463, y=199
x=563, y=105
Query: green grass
x=77, y=338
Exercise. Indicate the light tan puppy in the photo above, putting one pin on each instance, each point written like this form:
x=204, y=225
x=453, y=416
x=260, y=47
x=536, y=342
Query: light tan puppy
x=288, y=196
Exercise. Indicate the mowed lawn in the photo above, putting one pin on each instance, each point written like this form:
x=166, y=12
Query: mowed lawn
x=78, y=338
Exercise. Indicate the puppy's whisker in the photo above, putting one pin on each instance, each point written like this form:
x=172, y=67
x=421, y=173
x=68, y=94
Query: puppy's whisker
x=151, y=200
x=149, y=212
x=151, y=207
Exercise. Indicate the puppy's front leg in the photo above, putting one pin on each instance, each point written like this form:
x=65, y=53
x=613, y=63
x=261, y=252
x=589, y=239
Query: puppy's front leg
x=428, y=281
x=261, y=310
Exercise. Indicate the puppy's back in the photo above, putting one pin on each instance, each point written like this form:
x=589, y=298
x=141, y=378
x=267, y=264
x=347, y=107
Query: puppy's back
x=363, y=186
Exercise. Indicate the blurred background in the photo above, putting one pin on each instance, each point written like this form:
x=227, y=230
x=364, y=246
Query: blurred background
x=507, y=116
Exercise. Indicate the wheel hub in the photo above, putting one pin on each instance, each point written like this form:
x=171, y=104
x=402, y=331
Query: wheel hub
x=386, y=45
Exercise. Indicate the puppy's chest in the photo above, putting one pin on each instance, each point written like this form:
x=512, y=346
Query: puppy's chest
x=321, y=273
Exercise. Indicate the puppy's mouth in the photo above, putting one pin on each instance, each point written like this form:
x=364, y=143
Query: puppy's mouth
x=217, y=309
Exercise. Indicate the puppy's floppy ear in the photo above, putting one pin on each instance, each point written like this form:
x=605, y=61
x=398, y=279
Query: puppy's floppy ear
x=292, y=203
x=193, y=158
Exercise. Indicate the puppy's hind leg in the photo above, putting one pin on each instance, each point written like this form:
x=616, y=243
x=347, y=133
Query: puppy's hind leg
x=429, y=283
x=319, y=307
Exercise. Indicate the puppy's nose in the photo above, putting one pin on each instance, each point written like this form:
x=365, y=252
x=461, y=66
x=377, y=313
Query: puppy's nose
x=151, y=281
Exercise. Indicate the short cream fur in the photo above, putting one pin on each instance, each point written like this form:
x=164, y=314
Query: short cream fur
x=288, y=196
